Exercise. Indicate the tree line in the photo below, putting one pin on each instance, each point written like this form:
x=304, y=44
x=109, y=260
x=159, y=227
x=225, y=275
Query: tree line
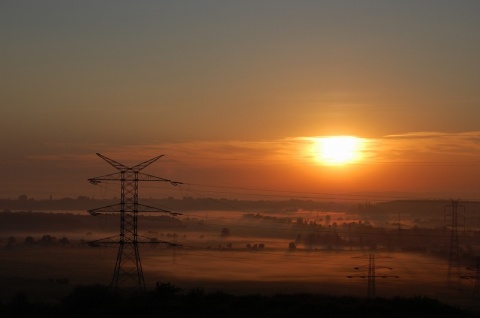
x=23, y=202
x=168, y=300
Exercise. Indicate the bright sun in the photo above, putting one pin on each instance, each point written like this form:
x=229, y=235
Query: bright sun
x=338, y=150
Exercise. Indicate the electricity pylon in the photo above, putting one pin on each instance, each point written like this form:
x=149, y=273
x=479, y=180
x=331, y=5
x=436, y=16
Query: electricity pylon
x=128, y=264
x=371, y=275
x=476, y=277
x=453, y=274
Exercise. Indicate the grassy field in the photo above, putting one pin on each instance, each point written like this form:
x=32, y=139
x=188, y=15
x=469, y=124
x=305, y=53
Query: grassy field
x=49, y=273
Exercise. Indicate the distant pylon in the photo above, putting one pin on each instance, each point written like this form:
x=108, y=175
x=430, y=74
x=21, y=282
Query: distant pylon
x=476, y=276
x=128, y=264
x=453, y=273
x=399, y=233
x=476, y=288
x=371, y=274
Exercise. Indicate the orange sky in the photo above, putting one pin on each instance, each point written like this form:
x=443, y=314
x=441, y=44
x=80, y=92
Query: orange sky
x=232, y=93
x=426, y=165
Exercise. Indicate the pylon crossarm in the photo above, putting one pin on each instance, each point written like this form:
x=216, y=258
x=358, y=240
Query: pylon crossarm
x=115, y=164
x=366, y=256
x=376, y=276
x=147, y=208
x=387, y=276
x=376, y=267
x=359, y=267
x=108, y=177
x=162, y=242
x=107, y=240
x=153, y=240
x=357, y=276
x=140, y=208
x=145, y=164
x=148, y=177
x=109, y=208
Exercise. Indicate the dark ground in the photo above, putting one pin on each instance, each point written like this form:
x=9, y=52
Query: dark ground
x=169, y=301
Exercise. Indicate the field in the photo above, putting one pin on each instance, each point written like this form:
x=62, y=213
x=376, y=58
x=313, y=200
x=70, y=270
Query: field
x=253, y=257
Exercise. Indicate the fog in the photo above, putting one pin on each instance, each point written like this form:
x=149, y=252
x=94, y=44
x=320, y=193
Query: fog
x=269, y=252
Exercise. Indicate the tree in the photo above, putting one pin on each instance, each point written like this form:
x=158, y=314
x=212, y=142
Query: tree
x=48, y=240
x=225, y=232
x=166, y=291
x=29, y=240
x=11, y=241
x=64, y=241
x=19, y=303
x=86, y=300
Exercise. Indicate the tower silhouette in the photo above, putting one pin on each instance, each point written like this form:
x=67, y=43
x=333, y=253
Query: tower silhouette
x=128, y=265
x=476, y=277
x=371, y=274
x=453, y=273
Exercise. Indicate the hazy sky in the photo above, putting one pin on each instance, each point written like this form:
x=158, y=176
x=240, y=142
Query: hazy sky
x=231, y=92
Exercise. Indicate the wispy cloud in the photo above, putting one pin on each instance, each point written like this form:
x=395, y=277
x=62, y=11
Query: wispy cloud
x=415, y=147
x=435, y=147
x=414, y=161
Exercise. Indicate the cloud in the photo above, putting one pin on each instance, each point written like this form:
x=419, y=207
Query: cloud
x=414, y=147
x=431, y=147
x=414, y=161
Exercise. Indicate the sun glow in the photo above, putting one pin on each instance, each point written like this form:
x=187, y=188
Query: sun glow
x=338, y=150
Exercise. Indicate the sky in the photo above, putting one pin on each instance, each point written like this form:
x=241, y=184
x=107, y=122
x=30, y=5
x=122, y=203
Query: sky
x=235, y=93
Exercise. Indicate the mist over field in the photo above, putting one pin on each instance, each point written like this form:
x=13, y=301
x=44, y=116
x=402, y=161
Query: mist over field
x=272, y=250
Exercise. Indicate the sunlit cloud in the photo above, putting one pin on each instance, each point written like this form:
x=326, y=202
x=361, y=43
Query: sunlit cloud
x=433, y=147
x=418, y=147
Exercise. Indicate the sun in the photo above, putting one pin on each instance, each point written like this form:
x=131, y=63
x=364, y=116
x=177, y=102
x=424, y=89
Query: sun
x=337, y=150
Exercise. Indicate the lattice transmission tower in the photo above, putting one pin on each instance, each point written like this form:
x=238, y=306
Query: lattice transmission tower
x=371, y=274
x=128, y=265
x=453, y=273
x=475, y=277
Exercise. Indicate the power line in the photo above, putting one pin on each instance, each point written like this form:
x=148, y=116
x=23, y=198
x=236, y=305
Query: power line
x=274, y=193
